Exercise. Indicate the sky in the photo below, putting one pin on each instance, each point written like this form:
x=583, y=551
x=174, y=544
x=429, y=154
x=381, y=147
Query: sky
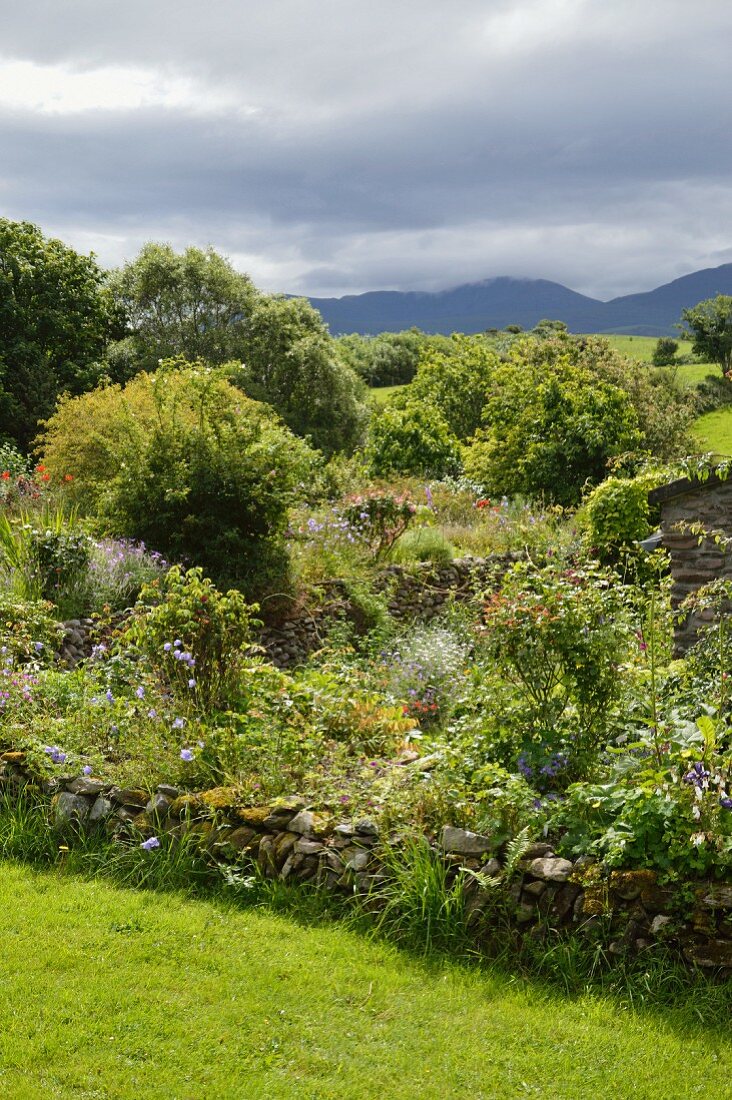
x=329, y=147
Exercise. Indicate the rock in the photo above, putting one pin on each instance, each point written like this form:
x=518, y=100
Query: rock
x=158, y=806
x=491, y=868
x=303, y=823
x=86, y=785
x=276, y=822
x=713, y=954
x=718, y=897
x=13, y=757
x=359, y=861
x=658, y=923
x=537, y=850
x=129, y=796
x=366, y=827
x=525, y=914
x=101, y=810
x=463, y=842
x=167, y=791
x=551, y=868
x=253, y=815
x=308, y=847
x=564, y=899
x=70, y=810
x=535, y=889
x=628, y=884
x=344, y=831
x=240, y=838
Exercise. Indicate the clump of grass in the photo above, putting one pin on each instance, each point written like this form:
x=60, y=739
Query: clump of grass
x=423, y=544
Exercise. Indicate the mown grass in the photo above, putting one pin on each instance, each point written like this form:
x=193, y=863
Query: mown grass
x=107, y=992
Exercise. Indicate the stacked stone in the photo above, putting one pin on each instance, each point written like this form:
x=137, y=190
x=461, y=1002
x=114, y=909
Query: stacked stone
x=290, y=842
x=77, y=643
x=420, y=591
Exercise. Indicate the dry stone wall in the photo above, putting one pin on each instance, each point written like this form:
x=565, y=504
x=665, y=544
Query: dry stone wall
x=418, y=592
x=289, y=841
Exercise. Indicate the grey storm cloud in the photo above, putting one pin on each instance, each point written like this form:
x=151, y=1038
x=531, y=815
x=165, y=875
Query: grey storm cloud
x=337, y=146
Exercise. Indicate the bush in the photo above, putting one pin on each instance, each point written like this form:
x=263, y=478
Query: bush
x=616, y=514
x=664, y=353
x=410, y=440
x=193, y=635
x=423, y=544
x=183, y=461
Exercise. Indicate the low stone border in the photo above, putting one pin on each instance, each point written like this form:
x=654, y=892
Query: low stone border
x=288, y=841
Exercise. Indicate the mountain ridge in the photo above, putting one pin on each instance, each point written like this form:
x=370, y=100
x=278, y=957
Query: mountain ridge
x=504, y=300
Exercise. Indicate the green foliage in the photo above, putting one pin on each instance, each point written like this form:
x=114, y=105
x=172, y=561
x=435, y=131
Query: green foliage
x=616, y=513
x=44, y=555
x=55, y=319
x=413, y=439
x=29, y=630
x=664, y=353
x=560, y=632
x=189, y=631
x=456, y=383
x=710, y=325
x=423, y=544
x=183, y=461
x=191, y=304
x=549, y=427
x=194, y=305
x=290, y=361
x=391, y=358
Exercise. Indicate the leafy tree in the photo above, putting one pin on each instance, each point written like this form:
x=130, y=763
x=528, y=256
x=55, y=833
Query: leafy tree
x=456, y=383
x=411, y=440
x=664, y=352
x=289, y=361
x=549, y=429
x=391, y=358
x=182, y=460
x=194, y=304
x=710, y=325
x=55, y=319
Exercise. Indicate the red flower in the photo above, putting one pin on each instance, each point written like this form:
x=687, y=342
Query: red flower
x=6, y=475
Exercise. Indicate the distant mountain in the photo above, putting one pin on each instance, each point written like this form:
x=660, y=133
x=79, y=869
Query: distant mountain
x=495, y=303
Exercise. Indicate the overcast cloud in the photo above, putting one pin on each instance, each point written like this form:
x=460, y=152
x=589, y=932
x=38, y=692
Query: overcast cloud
x=336, y=146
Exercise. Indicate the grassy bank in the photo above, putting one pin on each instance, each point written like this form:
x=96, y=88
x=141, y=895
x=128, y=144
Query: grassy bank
x=129, y=994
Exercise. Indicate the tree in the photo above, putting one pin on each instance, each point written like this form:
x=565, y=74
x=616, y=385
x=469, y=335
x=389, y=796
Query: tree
x=194, y=304
x=710, y=325
x=56, y=317
x=664, y=352
x=290, y=361
x=411, y=440
x=456, y=383
x=548, y=429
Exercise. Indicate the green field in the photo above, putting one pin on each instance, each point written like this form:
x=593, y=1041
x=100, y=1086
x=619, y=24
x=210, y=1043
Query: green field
x=381, y=394
x=108, y=993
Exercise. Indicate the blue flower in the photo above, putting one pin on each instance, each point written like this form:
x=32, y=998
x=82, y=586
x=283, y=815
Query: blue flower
x=140, y=692
x=179, y=723
x=191, y=683
x=110, y=697
x=167, y=647
x=187, y=755
x=87, y=769
x=150, y=843
x=726, y=803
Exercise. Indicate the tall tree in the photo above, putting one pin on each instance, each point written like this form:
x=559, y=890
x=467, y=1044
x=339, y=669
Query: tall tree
x=56, y=316
x=196, y=305
x=710, y=326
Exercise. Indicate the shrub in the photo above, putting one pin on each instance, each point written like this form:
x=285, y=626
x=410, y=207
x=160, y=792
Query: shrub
x=118, y=569
x=410, y=440
x=664, y=353
x=560, y=633
x=183, y=461
x=422, y=544
x=194, y=636
x=616, y=513
x=380, y=517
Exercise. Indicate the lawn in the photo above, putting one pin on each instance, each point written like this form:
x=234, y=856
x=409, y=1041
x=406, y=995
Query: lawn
x=109, y=993
x=381, y=394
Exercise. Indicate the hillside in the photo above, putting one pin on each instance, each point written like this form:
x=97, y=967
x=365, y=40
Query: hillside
x=495, y=303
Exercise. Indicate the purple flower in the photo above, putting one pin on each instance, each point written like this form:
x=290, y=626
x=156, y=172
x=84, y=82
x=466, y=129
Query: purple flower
x=179, y=723
x=140, y=692
x=110, y=697
x=726, y=803
x=150, y=843
x=38, y=646
x=87, y=769
x=152, y=713
x=191, y=683
x=167, y=647
x=177, y=642
x=187, y=755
